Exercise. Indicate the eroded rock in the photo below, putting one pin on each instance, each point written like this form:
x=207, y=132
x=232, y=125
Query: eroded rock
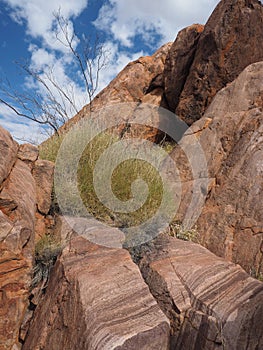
x=229, y=187
x=139, y=82
x=232, y=39
x=43, y=175
x=212, y=304
x=28, y=152
x=8, y=151
x=178, y=63
x=101, y=302
x=16, y=251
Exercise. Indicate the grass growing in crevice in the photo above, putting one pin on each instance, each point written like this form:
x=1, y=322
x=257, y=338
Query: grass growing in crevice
x=47, y=250
x=177, y=230
x=122, y=179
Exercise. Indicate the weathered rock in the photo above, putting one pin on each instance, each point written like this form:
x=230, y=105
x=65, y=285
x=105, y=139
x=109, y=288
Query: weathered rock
x=212, y=304
x=28, y=152
x=8, y=151
x=17, y=198
x=229, y=138
x=16, y=251
x=89, y=228
x=232, y=40
x=101, y=302
x=232, y=219
x=43, y=175
x=44, y=225
x=178, y=63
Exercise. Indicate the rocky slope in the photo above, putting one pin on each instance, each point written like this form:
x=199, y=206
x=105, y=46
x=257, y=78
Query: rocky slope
x=181, y=295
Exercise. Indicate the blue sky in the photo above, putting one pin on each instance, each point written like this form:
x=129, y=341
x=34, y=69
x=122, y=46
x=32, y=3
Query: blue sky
x=128, y=28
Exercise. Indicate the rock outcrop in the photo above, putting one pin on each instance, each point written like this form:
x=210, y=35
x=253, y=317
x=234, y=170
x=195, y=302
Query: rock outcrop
x=230, y=138
x=212, y=304
x=188, y=298
x=97, y=299
x=18, y=198
x=232, y=39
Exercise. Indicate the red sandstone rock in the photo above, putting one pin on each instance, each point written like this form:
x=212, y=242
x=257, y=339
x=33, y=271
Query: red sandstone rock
x=43, y=175
x=230, y=138
x=178, y=63
x=17, y=200
x=232, y=39
x=140, y=81
x=28, y=152
x=8, y=151
x=212, y=304
x=97, y=299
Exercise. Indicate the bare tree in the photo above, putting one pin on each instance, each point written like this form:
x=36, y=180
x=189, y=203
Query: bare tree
x=52, y=104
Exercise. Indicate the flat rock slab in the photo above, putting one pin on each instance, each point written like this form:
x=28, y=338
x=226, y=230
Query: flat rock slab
x=89, y=228
x=212, y=304
x=97, y=299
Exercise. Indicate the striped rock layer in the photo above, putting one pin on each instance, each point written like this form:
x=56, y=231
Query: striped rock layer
x=97, y=299
x=212, y=304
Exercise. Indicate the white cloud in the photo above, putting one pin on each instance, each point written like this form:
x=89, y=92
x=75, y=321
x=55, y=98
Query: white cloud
x=128, y=18
x=39, y=15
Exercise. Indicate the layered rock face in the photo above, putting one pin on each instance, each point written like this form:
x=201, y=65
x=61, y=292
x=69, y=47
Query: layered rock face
x=229, y=137
x=18, y=202
x=231, y=40
x=212, y=304
x=97, y=299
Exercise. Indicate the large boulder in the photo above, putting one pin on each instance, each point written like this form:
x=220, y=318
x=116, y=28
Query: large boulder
x=232, y=39
x=229, y=138
x=211, y=303
x=101, y=302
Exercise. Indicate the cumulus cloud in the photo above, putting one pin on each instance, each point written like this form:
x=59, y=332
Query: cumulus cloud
x=38, y=15
x=128, y=18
